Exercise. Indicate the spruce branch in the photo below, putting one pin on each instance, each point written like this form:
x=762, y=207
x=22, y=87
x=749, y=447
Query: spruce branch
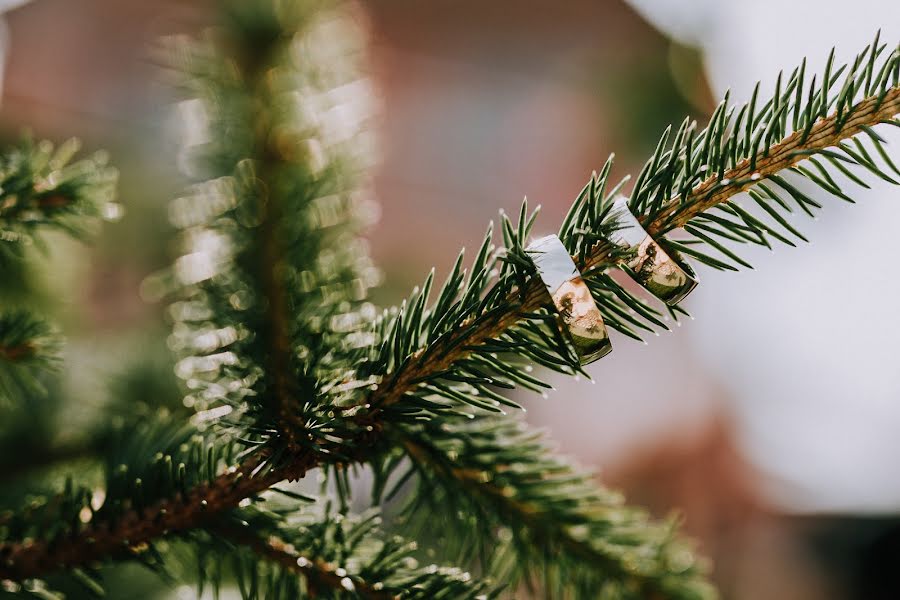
x=341, y=557
x=278, y=335
x=824, y=134
x=26, y=338
x=457, y=354
x=317, y=572
x=163, y=479
x=449, y=357
x=501, y=478
x=454, y=343
x=41, y=186
x=335, y=555
x=262, y=161
x=123, y=535
x=484, y=328
x=274, y=271
x=28, y=347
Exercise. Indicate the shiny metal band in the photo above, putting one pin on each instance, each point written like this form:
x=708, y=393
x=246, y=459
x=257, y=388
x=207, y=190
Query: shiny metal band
x=665, y=276
x=579, y=317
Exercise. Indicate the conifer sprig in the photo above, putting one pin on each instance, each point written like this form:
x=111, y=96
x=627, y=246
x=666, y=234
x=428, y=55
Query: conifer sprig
x=499, y=479
x=41, y=186
x=403, y=388
x=162, y=478
x=28, y=345
x=335, y=557
x=25, y=338
x=454, y=343
x=166, y=480
x=274, y=272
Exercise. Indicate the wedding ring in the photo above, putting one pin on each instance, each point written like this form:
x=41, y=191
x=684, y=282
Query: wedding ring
x=663, y=274
x=579, y=317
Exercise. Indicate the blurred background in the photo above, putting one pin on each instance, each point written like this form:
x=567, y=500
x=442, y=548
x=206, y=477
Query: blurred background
x=769, y=423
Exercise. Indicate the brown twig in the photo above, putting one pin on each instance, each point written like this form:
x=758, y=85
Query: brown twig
x=27, y=559
x=278, y=359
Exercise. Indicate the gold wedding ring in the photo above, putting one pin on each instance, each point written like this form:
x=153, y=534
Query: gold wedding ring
x=579, y=317
x=665, y=276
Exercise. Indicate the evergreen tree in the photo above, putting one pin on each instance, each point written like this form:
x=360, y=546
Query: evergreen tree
x=291, y=371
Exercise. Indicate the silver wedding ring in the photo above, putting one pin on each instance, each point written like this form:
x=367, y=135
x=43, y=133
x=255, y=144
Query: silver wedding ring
x=579, y=317
x=665, y=276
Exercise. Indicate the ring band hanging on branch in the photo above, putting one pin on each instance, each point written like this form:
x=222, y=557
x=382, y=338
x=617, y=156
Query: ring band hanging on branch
x=663, y=274
x=580, y=319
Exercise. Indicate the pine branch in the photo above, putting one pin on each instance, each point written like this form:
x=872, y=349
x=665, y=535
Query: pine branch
x=257, y=151
x=528, y=504
x=797, y=147
x=278, y=336
x=709, y=194
x=25, y=338
x=209, y=507
x=436, y=360
x=28, y=347
x=28, y=559
x=41, y=187
x=273, y=272
x=164, y=479
x=266, y=245
x=316, y=570
x=470, y=322
x=339, y=556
